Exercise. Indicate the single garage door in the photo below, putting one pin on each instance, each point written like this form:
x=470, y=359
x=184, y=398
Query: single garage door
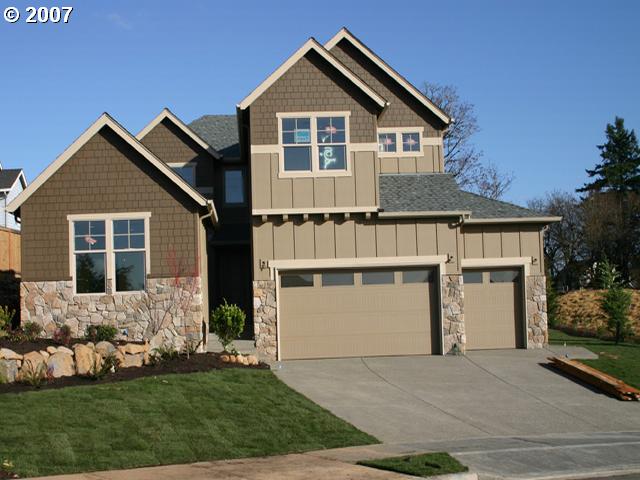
x=345, y=313
x=493, y=308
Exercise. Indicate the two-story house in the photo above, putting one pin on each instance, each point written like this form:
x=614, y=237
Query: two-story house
x=12, y=182
x=338, y=230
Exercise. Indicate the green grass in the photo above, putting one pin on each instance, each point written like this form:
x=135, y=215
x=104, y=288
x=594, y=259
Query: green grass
x=424, y=465
x=167, y=419
x=622, y=361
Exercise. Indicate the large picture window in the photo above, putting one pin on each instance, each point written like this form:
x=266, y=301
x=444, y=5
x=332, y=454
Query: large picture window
x=314, y=143
x=110, y=253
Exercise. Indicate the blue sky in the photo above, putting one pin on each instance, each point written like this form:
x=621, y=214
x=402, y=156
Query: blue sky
x=545, y=76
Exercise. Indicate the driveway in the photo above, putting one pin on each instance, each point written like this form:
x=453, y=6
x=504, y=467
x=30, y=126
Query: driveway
x=503, y=393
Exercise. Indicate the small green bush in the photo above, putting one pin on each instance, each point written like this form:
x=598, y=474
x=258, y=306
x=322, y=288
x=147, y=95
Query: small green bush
x=34, y=376
x=6, y=317
x=164, y=353
x=616, y=302
x=100, y=333
x=552, y=303
x=31, y=331
x=62, y=335
x=227, y=322
x=98, y=371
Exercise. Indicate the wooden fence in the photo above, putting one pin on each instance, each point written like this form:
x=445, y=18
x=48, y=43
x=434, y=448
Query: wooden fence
x=9, y=250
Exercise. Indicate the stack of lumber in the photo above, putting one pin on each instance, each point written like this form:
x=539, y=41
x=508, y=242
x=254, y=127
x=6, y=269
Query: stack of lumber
x=600, y=380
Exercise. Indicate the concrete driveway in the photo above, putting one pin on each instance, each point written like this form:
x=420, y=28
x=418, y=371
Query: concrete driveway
x=502, y=393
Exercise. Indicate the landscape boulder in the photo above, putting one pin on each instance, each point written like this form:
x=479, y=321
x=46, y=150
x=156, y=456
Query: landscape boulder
x=8, y=370
x=33, y=360
x=60, y=364
x=135, y=360
x=85, y=358
x=6, y=354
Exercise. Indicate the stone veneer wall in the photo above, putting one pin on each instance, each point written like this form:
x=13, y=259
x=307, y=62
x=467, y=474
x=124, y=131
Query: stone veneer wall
x=170, y=311
x=453, y=331
x=265, y=322
x=536, y=298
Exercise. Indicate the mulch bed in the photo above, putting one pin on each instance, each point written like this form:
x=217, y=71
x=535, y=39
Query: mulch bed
x=4, y=475
x=199, y=362
x=43, y=343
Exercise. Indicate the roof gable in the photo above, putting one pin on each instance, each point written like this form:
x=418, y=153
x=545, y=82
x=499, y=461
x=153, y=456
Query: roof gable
x=346, y=35
x=106, y=120
x=309, y=45
x=167, y=114
x=9, y=177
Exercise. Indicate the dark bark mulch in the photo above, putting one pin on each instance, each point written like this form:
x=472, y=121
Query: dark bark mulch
x=4, y=475
x=43, y=343
x=199, y=362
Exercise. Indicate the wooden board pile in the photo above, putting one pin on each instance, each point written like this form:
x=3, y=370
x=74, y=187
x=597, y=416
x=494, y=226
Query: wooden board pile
x=600, y=380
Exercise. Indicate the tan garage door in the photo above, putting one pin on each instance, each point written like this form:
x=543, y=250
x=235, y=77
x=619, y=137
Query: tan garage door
x=493, y=308
x=344, y=313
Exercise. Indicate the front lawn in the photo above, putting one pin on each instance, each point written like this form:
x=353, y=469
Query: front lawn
x=224, y=414
x=424, y=465
x=622, y=361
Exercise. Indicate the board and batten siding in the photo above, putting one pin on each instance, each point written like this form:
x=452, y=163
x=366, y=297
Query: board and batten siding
x=430, y=162
x=354, y=238
x=498, y=241
x=269, y=191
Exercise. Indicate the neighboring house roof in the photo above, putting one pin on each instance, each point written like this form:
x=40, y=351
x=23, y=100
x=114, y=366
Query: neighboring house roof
x=309, y=45
x=105, y=120
x=167, y=114
x=9, y=177
x=219, y=131
x=439, y=192
x=345, y=34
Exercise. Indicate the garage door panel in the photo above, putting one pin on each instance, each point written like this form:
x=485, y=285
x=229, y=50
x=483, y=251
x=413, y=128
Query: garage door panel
x=356, y=320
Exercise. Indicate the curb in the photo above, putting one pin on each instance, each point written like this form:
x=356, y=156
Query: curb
x=455, y=476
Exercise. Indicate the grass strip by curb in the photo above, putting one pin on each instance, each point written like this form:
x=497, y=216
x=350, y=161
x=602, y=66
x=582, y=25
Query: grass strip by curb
x=424, y=465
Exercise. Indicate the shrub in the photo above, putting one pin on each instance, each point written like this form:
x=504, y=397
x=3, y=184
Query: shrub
x=62, y=335
x=552, y=303
x=191, y=346
x=616, y=302
x=110, y=364
x=31, y=331
x=34, y=376
x=100, y=333
x=227, y=322
x=164, y=353
x=6, y=317
x=606, y=274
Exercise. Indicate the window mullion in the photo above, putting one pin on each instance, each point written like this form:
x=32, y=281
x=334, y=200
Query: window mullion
x=110, y=262
x=315, y=156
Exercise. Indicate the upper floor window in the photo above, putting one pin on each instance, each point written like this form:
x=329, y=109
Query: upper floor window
x=186, y=170
x=398, y=142
x=234, y=186
x=314, y=143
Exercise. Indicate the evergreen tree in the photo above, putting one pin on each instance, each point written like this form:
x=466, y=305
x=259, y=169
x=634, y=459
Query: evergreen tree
x=619, y=170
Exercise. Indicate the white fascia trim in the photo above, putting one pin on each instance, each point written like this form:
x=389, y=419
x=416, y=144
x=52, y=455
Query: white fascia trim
x=346, y=34
x=105, y=120
x=166, y=113
x=524, y=262
x=472, y=221
x=310, y=44
x=313, y=210
x=425, y=214
x=365, y=262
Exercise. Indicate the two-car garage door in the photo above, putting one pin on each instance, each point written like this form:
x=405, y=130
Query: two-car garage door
x=352, y=313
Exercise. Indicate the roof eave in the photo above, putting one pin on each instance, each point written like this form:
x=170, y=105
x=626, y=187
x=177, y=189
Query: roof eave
x=425, y=214
x=544, y=220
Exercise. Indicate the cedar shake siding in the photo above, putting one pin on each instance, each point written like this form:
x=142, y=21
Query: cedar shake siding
x=404, y=110
x=311, y=85
x=171, y=145
x=106, y=175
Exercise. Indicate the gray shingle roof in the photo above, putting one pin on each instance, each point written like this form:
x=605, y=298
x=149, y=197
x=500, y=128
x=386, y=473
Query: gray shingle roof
x=220, y=132
x=8, y=177
x=425, y=192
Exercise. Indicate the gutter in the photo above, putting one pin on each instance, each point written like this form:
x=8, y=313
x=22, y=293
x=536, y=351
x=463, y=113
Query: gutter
x=475, y=221
x=425, y=214
x=212, y=213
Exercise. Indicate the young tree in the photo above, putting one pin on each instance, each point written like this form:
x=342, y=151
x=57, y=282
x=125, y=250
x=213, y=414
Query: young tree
x=462, y=158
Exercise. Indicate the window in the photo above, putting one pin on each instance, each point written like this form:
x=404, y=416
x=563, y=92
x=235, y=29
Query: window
x=296, y=280
x=472, y=277
x=129, y=255
x=187, y=171
x=89, y=241
x=399, y=142
x=334, y=279
x=417, y=276
x=110, y=252
x=377, y=278
x=233, y=186
x=504, y=276
x=315, y=143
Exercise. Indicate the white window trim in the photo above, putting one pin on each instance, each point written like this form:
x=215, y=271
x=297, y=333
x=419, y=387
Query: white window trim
x=315, y=157
x=398, y=131
x=110, y=259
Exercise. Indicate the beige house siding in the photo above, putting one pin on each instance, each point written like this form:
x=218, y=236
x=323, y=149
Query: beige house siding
x=105, y=176
x=497, y=241
x=432, y=161
x=311, y=85
x=172, y=145
x=269, y=191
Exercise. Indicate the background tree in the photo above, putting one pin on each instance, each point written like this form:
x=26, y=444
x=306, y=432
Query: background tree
x=462, y=158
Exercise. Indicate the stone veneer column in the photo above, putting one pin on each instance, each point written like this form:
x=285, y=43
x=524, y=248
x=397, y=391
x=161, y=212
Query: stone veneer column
x=453, y=333
x=536, y=301
x=265, y=322
x=170, y=311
